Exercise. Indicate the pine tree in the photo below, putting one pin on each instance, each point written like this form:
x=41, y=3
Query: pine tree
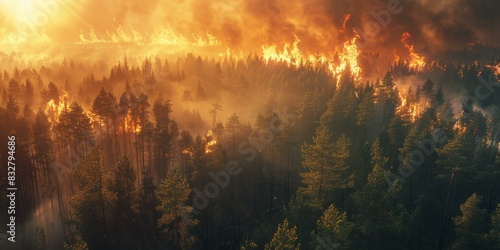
x=317, y=158
x=78, y=244
x=12, y=108
x=187, y=97
x=40, y=239
x=428, y=91
x=439, y=97
x=173, y=194
x=365, y=112
x=380, y=221
x=124, y=180
x=451, y=156
x=493, y=235
x=327, y=165
x=201, y=93
x=52, y=93
x=42, y=141
x=285, y=238
x=334, y=230
x=232, y=125
x=14, y=88
x=76, y=126
x=470, y=225
x=165, y=133
x=29, y=92
x=93, y=202
x=387, y=98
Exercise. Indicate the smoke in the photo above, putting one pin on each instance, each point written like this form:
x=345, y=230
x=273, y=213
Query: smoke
x=248, y=24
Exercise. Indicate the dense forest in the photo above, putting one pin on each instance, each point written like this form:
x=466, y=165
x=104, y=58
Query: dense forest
x=186, y=152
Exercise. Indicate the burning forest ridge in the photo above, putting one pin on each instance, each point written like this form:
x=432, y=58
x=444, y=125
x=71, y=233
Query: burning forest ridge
x=250, y=124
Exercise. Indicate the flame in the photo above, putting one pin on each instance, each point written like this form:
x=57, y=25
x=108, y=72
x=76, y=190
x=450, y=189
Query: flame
x=22, y=38
x=188, y=151
x=494, y=68
x=417, y=61
x=210, y=142
x=289, y=56
x=159, y=37
x=346, y=19
x=414, y=112
x=292, y=56
x=397, y=58
x=53, y=110
x=406, y=106
x=129, y=122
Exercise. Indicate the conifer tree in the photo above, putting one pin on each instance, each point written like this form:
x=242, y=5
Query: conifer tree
x=173, y=193
x=334, y=230
x=380, y=221
x=285, y=238
x=93, y=202
x=471, y=225
x=493, y=235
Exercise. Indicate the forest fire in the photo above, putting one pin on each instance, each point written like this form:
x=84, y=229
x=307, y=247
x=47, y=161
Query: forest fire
x=131, y=124
x=210, y=142
x=23, y=38
x=54, y=109
x=251, y=124
x=495, y=69
x=159, y=37
x=417, y=61
x=408, y=106
x=345, y=58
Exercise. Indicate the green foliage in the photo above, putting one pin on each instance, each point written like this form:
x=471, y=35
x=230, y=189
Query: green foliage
x=327, y=166
x=334, y=230
x=248, y=245
x=451, y=156
x=285, y=238
x=94, y=199
x=493, y=235
x=366, y=111
x=380, y=221
x=471, y=225
x=78, y=244
x=173, y=193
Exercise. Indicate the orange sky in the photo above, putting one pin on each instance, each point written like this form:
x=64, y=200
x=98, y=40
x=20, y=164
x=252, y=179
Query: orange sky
x=242, y=24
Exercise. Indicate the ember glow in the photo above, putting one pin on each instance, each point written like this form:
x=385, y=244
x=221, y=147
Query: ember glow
x=210, y=143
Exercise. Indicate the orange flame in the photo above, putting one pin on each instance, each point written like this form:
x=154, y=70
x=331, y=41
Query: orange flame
x=494, y=68
x=210, y=142
x=417, y=61
x=346, y=19
x=53, y=110
x=408, y=107
x=347, y=58
x=397, y=58
x=22, y=38
x=160, y=37
x=131, y=124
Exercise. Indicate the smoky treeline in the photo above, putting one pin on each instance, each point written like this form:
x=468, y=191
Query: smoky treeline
x=192, y=152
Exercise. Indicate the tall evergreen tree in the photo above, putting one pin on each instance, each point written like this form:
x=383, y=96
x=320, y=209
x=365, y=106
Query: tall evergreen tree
x=176, y=218
x=93, y=202
x=334, y=230
x=285, y=238
x=471, y=225
x=380, y=221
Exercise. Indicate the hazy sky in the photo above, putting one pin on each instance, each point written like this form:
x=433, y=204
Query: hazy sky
x=252, y=23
